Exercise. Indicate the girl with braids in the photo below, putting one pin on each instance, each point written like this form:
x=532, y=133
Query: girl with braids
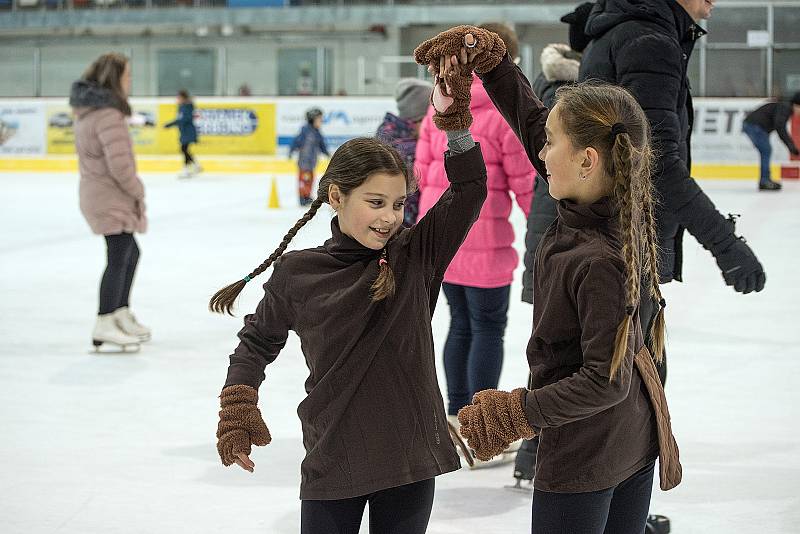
x=595, y=399
x=373, y=421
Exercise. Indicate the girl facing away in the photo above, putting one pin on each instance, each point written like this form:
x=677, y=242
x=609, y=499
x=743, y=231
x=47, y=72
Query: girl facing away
x=373, y=420
x=595, y=399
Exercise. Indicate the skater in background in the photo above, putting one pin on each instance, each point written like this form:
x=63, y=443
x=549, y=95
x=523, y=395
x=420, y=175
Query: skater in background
x=477, y=283
x=188, y=133
x=402, y=130
x=373, y=421
x=760, y=123
x=308, y=144
x=595, y=399
x=560, y=64
x=111, y=193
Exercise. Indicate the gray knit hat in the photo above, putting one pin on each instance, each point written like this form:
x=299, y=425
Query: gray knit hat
x=412, y=96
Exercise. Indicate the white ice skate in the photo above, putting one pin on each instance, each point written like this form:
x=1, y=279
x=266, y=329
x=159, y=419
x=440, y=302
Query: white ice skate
x=195, y=168
x=107, y=332
x=186, y=172
x=128, y=323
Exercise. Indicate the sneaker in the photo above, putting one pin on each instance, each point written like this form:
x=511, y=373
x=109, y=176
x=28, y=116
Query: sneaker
x=769, y=186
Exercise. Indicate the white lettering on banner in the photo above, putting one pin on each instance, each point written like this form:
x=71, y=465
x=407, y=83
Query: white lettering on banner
x=222, y=121
x=22, y=128
x=717, y=136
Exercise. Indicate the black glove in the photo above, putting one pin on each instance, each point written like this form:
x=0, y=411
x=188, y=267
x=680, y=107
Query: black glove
x=740, y=267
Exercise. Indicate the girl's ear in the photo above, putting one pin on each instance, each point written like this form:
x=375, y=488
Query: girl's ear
x=334, y=196
x=591, y=161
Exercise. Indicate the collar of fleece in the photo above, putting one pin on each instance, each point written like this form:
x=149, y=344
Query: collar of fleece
x=556, y=66
x=343, y=247
x=587, y=215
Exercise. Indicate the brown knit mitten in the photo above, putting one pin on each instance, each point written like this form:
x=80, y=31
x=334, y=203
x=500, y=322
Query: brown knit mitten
x=240, y=423
x=452, y=107
x=493, y=421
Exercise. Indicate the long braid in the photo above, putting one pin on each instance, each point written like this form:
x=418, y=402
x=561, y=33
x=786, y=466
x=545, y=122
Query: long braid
x=658, y=328
x=625, y=191
x=223, y=300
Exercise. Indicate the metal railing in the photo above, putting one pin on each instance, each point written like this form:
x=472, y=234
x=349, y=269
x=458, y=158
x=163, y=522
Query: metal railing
x=28, y=5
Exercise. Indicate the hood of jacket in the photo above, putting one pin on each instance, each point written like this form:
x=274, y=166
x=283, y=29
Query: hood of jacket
x=560, y=63
x=85, y=96
x=610, y=13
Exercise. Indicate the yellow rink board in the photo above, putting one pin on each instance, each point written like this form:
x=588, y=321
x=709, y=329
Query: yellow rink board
x=259, y=165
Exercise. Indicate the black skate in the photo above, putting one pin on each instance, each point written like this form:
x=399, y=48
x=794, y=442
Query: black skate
x=525, y=466
x=657, y=524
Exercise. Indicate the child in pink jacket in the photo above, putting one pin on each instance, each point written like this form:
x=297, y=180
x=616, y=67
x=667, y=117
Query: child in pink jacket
x=477, y=283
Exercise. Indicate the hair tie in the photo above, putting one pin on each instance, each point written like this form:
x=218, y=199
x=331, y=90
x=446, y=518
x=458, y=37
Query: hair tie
x=618, y=128
x=662, y=303
x=382, y=262
x=246, y=279
x=629, y=310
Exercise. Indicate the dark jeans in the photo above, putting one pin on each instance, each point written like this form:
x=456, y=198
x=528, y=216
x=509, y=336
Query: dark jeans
x=187, y=157
x=760, y=139
x=115, y=286
x=473, y=352
x=618, y=510
x=401, y=510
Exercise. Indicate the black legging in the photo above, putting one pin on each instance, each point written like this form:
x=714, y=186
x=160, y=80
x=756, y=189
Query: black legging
x=187, y=158
x=115, y=287
x=401, y=510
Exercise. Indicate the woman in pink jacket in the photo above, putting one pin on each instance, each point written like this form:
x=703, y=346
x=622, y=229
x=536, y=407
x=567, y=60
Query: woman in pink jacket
x=478, y=281
x=111, y=193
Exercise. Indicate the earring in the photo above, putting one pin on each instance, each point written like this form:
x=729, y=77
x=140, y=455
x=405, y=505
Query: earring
x=582, y=177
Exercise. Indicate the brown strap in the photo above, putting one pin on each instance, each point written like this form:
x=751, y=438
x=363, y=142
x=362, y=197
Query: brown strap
x=670, y=471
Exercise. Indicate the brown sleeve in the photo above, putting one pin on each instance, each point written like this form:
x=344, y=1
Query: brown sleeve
x=261, y=339
x=438, y=235
x=513, y=97
x=600, y=300
x=112, y=131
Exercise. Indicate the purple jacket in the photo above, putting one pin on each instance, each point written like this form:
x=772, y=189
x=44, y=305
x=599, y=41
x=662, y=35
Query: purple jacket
x=487, y=258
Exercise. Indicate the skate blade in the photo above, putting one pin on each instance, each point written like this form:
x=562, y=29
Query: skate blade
x=527, y=489
x=497, y=461
x=111, y=348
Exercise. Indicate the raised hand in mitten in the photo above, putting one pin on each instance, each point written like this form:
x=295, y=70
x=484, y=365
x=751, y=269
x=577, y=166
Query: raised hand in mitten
x=240, y=425
x=493, y=421
x=452, y=80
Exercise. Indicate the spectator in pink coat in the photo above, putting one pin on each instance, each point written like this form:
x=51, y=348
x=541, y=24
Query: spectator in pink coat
x=478, y=281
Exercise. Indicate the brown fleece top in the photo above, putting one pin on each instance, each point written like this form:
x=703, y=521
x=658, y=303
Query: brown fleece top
x=595, y=432
x=373, y=417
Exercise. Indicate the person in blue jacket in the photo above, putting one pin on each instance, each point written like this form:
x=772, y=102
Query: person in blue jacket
x=188, y=133
x=309, y=143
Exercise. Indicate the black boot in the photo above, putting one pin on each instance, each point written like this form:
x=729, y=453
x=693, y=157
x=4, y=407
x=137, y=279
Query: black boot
x=657, y=524
x=525, y=463
x=769, y=186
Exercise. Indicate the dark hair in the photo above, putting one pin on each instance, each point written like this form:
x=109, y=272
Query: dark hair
x=588, y=111
x=796, y=99
x=507, y=34
x=184, y=94
x=106, y=71
x=351, y=165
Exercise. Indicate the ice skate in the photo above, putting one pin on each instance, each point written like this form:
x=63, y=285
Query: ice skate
x=657, y=524
x=525, y=466
x=186, y=172
x=128, y=323
x=195, y=168
x=108, y=337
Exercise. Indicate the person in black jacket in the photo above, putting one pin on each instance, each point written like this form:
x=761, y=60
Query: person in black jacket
x=763, y=121
x=560, y=64
x=645, y=46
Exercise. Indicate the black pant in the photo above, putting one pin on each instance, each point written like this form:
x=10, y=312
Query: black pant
x=401, y=510
x=115, y=287
x=187, y=158
x=618, y=510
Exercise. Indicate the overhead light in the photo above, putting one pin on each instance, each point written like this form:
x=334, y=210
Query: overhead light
x=226, y=30
x=201, y=31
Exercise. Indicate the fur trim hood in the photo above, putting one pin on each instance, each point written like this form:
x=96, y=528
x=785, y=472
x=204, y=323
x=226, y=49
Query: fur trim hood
x=85, y=96
x=560, y=63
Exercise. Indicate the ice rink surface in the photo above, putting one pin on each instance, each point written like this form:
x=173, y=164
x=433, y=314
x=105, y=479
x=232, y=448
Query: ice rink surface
x=125, y=443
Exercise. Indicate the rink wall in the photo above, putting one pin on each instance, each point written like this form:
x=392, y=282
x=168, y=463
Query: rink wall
x=251, y=135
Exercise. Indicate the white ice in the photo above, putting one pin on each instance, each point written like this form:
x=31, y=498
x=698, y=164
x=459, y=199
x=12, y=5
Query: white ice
x=125, y=443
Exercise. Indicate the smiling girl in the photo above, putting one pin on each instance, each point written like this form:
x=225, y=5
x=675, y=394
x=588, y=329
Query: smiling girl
x=373, y=421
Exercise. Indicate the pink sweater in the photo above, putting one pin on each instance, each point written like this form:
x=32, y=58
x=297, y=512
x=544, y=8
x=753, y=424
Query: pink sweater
x=487, y=258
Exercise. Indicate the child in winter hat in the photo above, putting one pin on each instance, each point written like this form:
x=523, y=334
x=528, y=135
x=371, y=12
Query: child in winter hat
x=412, y=96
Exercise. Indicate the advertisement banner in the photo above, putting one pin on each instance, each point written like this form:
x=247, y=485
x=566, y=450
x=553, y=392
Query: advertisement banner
x=22, y=128
x=343, y=118
x=234, y=127
x=61, y=137
x=718, y=138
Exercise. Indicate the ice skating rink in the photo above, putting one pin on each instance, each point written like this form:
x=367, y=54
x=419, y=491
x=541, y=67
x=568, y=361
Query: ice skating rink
x=125, y=443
